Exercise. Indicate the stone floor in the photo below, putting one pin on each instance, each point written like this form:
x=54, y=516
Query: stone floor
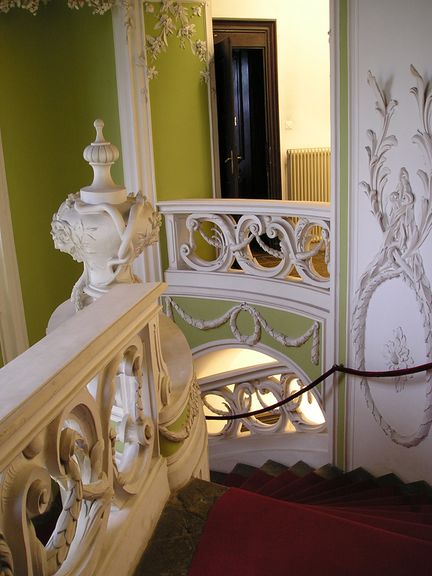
x=173, y=543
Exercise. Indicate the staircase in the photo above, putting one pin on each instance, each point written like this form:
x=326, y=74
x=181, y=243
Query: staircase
x=293, y=520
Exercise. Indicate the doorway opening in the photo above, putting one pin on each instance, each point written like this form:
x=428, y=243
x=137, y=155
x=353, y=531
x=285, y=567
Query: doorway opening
x=247, y=108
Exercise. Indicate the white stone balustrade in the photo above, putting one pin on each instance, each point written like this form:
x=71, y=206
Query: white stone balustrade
x=264, y=387
x=262, y=238
x=80, y=414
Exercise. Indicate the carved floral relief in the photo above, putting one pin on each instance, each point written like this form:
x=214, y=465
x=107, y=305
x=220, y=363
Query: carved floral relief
x=405, y=220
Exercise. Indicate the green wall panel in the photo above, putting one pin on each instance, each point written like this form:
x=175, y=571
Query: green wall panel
x=57, y=76
x=343, y=225
x=180, y=118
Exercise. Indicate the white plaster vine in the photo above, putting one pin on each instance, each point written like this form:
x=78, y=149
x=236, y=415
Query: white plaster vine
x=403, y=234
x=238, y=397
x=231, y=238
x=193, y=411
x=259, y=323
x=174, y=19
x=398, y=356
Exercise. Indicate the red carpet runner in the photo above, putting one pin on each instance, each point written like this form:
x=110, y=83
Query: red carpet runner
x=330, y=529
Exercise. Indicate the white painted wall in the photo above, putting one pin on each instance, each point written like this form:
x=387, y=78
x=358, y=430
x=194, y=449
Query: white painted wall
x=386, y=37
x=303, y=66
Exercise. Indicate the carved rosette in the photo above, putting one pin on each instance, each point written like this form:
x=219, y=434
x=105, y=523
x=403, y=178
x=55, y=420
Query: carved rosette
x=103, y=227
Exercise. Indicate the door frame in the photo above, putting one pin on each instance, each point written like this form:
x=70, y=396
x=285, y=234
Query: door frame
x=227, y=28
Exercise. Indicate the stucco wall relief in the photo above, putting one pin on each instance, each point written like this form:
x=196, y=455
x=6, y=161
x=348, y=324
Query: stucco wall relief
x=405, y=220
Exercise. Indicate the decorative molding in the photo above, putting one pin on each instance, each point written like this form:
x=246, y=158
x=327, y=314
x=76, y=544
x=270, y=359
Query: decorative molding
x=405, y=225
x=259, y=323
x=135, y=120
x=13, y=329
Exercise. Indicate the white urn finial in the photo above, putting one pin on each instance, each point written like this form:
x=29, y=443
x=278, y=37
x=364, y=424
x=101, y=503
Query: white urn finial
x=101, y=155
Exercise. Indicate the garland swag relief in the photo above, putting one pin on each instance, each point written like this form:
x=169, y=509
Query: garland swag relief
x=259, y=323
x=405, y=224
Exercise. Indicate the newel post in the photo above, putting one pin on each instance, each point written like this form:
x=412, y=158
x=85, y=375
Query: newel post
x=103, y=226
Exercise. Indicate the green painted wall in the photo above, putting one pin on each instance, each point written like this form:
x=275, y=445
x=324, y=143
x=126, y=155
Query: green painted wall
x=287, y=323
x=343, y=225
x=57, y=75
x=180, y=118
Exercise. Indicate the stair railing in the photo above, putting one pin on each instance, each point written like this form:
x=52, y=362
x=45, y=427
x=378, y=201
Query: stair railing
x=101, y=419
x=266, y=239
x=63, y=441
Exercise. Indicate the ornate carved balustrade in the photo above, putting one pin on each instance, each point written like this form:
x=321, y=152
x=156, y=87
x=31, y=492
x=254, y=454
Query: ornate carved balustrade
x=264, y=387
x=288, y=241
x=82, y=476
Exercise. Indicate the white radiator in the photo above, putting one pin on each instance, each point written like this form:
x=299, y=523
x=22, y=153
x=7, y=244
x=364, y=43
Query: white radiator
x=308, y=174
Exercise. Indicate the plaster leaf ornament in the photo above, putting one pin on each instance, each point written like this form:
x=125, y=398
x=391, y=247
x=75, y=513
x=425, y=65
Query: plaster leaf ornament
x=205, y=76
x=398, y=356
x=152, y=72
x=185, y=33
x=196, y=11
x=174, y=19
x=72, y=239
x=199, y=47
x=405, y=223
x=155, y=45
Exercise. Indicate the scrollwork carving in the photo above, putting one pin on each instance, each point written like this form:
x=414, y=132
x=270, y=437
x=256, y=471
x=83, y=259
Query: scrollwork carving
x=239, y=396
x=298, y=242
x=132, y=437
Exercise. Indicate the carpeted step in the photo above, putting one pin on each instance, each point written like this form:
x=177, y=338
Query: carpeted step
x=412, y=528
x=249, y=533
x=290, y=491
x=239, y=474
x=283, y=476
x=256, y=481
x=277, y=483
x=273, y=468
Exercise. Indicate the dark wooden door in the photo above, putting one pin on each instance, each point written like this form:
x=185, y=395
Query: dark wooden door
x=226, y=119
x=250, y=148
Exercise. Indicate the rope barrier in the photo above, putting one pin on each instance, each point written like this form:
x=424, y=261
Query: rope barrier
x=335, y=368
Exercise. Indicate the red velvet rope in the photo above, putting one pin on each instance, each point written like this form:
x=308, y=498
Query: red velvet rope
x=330, y=371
